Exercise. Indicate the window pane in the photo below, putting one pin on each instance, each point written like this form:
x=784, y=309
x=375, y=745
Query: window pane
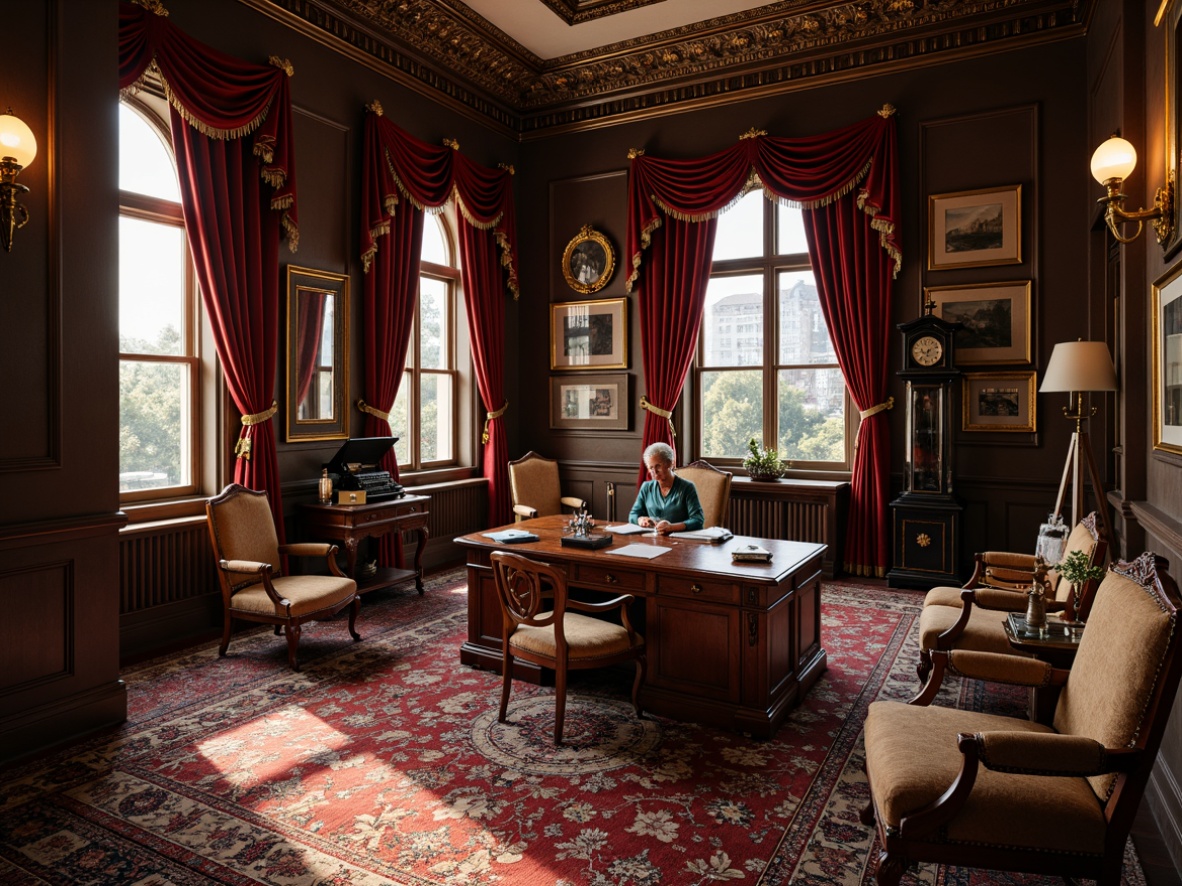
x=740, y=228
x=435, y=417
x=812, y=416
x=400, y=420
x=434, y=244
x=732, y=322
x=804, y=337
x=433, y=319
x=154, y=425
x=145, y=164
x=790, y=238
x=732, y=412
x=151, y=287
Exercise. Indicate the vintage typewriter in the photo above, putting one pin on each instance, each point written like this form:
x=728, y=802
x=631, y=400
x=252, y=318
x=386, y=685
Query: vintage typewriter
x=355, y=467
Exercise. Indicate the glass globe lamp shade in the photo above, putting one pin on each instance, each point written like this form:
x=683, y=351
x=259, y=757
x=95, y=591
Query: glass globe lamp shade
x=1116, y=158
x=16, y=140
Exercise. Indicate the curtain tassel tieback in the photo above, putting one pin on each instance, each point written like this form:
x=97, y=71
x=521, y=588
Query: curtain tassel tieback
x=666, y=414
x=489, y=416
x=374, y=411
x=242, y=447
x=889, y=403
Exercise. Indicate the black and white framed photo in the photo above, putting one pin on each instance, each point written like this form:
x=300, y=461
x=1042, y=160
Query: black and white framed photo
x=589, y=334
x=590, y=402
x=975, y=229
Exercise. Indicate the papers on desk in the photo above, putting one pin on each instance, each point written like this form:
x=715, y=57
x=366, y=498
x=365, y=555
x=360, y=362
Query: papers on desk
x=625, y=529
x=511, y=536
x=714, y=535
x=646, y=552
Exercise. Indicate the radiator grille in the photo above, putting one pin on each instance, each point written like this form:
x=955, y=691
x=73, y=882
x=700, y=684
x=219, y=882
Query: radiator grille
x=164, y=564
x=797, y=521
x=456, y=509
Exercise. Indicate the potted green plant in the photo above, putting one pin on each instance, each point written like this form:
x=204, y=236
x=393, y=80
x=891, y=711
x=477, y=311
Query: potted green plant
x=1076, y=569
x=765, y=465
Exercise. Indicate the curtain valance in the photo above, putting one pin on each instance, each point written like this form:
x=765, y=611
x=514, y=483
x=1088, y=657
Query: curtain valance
x=220, y=96
x=400, y=166
x=808, y=172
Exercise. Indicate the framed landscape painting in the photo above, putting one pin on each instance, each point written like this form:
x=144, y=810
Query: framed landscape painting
x=1167, y=362
x=999, y=401
x=974, y=229
x=996, y=318
x=589, y=334
x=589, y=402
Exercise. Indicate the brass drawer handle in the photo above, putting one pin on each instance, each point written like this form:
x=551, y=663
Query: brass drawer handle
x=610, y=579
x=696, y=589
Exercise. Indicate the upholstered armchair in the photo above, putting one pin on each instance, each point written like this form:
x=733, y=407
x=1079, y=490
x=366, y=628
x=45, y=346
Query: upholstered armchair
x=250, y=571
x=543, y=625
x=984, y=790
x=535, y=490
x=714, y=491
x=972, y=617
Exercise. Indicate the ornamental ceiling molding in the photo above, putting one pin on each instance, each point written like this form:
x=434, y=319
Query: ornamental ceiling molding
x=449, y=49
x=575, y=12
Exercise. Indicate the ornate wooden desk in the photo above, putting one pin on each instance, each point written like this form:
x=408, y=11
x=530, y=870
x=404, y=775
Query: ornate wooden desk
x=733, y=645
x=351, y=523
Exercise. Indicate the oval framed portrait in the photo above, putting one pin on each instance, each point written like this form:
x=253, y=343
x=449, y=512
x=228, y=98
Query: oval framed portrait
x=588, y=262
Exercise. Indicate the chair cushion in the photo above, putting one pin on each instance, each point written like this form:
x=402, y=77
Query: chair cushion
x=533, y=481
x=587, y=639
x=983, y=633
x=307, y=593
x=911, y=758
x=943, y=597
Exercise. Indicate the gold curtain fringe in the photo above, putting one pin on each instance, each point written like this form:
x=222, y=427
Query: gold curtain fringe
x=507, y=263
x=375, y=107
x=646, y=239
x=867, y=571
x=375, y=233
x=282, y=64
x=373, y=410
x=489, y=416
x=205, y=129
x=264, y=147
x=153, y=6
x=292, y=232
x=451, y=143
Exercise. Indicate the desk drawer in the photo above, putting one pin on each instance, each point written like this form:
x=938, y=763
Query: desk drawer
x=696, y=589
x=607, y=577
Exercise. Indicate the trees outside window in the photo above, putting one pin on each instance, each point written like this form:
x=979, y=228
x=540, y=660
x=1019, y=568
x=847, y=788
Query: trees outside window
x=766, y=367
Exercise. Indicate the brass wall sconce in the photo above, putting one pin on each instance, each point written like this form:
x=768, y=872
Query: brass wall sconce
x=1112, y=163
x=18, y=147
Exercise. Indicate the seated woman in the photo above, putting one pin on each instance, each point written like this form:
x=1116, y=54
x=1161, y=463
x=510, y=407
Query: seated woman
x=666, y=503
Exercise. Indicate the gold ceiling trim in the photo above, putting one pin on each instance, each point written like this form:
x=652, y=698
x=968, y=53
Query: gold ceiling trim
x=470, y=61
x=575, y=12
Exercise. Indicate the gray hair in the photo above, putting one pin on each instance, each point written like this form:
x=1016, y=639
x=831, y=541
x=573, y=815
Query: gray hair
x=663, y=451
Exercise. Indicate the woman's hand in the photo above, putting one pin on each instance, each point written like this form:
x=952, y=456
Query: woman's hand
x=646, y=522
x=664, y=527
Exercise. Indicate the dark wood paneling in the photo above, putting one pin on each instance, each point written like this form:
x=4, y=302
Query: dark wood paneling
x=596, y=200
x=38, y=606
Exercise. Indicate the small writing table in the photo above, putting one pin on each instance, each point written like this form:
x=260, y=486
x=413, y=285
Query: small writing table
x=351, y=523
x=1057, y=647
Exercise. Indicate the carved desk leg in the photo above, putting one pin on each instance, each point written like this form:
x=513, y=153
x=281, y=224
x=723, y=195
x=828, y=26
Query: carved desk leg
x=422, y=534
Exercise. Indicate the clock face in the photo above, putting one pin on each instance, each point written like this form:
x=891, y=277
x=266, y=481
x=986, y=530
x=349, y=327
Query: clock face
x=927, y=350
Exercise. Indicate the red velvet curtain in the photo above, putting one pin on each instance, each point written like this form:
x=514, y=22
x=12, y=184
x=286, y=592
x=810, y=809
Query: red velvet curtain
x=399, y=167
x=310, y=318
x=231, y=130
x=849, y=174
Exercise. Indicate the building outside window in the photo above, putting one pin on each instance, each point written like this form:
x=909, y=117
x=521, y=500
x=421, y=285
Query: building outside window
x=766, y=366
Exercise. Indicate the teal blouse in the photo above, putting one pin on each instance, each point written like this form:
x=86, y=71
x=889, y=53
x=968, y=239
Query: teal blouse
x=681, y=505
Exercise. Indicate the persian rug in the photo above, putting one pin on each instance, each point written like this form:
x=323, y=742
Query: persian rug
x=382, y=762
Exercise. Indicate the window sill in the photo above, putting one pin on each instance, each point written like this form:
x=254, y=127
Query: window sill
x=172, y=509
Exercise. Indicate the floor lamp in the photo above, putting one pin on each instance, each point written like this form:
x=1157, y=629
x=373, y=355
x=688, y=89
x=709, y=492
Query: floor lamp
x=1077, y=367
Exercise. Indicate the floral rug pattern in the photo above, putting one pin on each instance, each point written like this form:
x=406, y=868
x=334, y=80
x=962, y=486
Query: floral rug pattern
x=382, y=762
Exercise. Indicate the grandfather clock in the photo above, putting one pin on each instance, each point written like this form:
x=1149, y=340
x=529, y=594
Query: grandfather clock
x=925, y=518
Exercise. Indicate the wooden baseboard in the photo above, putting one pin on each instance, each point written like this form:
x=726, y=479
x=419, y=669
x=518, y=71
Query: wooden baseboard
x=1164, y=798
x=39, y=728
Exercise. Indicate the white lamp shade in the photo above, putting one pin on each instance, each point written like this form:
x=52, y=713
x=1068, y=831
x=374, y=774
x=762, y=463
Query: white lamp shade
x=1116, y=158
x=1079, y=366
x=16, y=140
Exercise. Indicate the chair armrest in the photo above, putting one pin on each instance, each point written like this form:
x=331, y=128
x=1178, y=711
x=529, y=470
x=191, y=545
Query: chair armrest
x=256, y=566
x=996, y=599
x=525, y=511
x=308, y=549
x=995, y=667
x=614, y=603
x=572, y=502
x=1032, y=753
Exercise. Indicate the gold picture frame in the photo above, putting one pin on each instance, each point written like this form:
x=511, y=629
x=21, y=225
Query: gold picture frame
x=589, y=334
x=317, y=355
x=1167, y=362
x=975, y=229
x=1000, y=401
x=590, y=402
x=588, y=261
x=996, y=318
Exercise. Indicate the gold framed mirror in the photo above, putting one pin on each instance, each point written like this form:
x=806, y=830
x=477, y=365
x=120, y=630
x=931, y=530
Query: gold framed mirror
x=317, y=354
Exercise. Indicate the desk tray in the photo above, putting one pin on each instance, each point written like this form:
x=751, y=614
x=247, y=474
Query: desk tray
x=590, y=541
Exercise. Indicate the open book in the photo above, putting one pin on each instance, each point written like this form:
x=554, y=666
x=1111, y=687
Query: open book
x=625, y=529
x=714, y=534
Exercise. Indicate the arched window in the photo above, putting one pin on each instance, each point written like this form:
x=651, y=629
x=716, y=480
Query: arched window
x=426, y=415
x=766, y=367
x=159, y=331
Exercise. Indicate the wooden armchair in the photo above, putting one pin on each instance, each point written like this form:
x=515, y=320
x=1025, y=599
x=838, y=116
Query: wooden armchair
x=714, y=491
x=534, y=488
x=254, y=587
x=972, y=617
x=982, y=790
x=539, y=626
